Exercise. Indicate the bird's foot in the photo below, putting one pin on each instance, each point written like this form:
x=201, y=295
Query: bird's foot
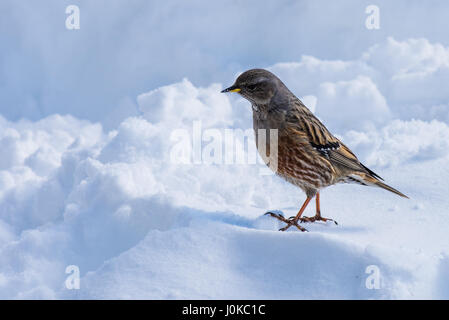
x=315, y=218
x=289, y=222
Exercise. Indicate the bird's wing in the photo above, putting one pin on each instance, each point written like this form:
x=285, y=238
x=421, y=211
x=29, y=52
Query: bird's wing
x=328, y=146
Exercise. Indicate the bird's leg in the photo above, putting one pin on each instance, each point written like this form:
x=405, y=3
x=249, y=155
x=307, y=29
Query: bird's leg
x=287, y=221
x=283, y=219
x=317, y=216
x=294, y=220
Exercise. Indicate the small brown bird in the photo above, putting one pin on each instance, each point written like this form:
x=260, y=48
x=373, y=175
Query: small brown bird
x=308, y=155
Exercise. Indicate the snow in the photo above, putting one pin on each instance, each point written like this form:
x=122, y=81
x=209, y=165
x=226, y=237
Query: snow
x=140, y=220
x=218, y=255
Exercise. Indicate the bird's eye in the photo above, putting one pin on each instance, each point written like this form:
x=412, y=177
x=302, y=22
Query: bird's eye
x=251, y=86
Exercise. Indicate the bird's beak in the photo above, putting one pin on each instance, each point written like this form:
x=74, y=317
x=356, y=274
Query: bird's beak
x=233, y=88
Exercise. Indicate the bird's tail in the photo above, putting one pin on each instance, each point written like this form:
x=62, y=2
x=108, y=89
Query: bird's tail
x=391, y=189
x=369, y=180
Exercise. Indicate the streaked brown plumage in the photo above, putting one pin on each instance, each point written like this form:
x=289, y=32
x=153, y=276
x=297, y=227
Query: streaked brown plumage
x=309, y=156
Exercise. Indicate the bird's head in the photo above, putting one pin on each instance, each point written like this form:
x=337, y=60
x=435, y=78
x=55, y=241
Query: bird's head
x=258, y=86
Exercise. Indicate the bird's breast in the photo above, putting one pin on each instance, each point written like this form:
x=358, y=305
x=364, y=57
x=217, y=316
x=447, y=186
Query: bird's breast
x=295, y=159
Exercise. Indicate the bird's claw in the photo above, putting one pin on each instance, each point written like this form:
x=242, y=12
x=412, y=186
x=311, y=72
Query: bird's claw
x=316, y=218
x=294, y=223
x=289, y=222
x=273, y=214
x=278, y=216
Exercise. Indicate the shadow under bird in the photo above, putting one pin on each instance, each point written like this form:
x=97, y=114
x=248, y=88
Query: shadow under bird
x=308, y=155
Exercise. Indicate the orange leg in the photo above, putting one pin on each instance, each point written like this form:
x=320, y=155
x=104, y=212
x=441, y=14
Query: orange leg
x=317, y=216
x=292, y=222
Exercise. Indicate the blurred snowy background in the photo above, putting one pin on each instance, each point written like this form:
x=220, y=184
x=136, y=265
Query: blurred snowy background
x=86, y=177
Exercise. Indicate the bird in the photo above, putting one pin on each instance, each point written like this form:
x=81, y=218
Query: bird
x=308, y=155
